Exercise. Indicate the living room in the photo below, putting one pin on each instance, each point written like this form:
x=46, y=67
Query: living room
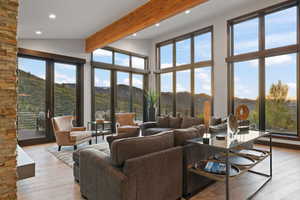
x=198, y=96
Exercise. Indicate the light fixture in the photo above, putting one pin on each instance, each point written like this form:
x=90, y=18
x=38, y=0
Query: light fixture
x=134, y=34
x=38, y=32
x=187, y=11
x=157, y=25
x=52, y=16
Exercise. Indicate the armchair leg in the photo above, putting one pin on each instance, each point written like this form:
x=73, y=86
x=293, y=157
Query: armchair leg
x=75, y=147
x=59, y=148
x=90, y=142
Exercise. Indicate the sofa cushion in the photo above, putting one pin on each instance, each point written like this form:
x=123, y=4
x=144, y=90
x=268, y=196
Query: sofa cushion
x=188, y=122
x=182, y=135
x=103, y=147
x=163, y=122
x=124, y=149
x=175, y=122
x=80, y=135
x=153, y=131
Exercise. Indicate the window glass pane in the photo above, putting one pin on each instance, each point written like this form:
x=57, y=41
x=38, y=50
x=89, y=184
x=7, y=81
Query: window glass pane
x=138, y=62
x=183, y=92
x=246, y=89
x=122, y=59
x=281, y=28
x=281, y=95
x=137, y=95
x=123, y=92
x=102, y=94
x=202, y=89
x=246, y=36
x=166, y=95
x=183, y=52
x=102, y=55
x=166, y=56
x=203, y=47
x=64, y=89
x=31, y=98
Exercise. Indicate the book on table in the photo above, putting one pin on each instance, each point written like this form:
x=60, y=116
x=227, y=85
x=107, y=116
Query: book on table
x=215, y=167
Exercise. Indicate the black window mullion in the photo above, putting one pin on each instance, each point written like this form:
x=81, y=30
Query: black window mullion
x=262, y=83
x=192, y=77
x=174, y=79
x=298, y=70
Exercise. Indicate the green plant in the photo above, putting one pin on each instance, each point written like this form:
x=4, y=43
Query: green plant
x=152, y=98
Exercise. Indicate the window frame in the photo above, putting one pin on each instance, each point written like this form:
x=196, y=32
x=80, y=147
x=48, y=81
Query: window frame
x=261, y=55
x=192, y=66
x=113, y=68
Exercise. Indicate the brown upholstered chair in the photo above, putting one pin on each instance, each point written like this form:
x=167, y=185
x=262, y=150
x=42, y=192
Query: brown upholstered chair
x=67, y=135
x=125, y=123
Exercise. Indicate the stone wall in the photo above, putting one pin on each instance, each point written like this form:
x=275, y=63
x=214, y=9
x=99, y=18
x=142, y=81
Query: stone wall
x=8, y=97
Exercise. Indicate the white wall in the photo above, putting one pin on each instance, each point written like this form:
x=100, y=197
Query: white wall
x=220, y=47
x=75, y=48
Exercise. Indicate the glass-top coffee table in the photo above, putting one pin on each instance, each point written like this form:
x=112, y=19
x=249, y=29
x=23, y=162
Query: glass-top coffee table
x=98, y=128
x=229, y=147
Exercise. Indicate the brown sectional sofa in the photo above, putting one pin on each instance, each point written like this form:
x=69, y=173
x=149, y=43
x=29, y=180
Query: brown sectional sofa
x=168, y=123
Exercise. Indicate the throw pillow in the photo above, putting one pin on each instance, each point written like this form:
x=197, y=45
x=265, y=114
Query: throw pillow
x=163, y=122
x=175, y=122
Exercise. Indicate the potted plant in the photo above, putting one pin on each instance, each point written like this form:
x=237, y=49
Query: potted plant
x=152, y=101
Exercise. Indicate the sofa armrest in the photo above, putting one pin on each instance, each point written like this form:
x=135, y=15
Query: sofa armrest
x=110, y=139
x=146, y=125
x=62, y=137
x=98, y=178
x=78, y=129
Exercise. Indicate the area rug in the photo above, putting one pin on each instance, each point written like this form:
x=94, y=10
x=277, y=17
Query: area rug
x=65, y=155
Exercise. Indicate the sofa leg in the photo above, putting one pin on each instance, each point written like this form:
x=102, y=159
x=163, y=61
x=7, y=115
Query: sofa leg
x=90, y=142
x=59, y=148
x=75, y=147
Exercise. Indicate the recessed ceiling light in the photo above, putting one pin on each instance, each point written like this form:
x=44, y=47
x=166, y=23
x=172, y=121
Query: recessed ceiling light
x=157, y=25
x=187, y=11
x=134, y=34
x=38, y=32
x=52, y=16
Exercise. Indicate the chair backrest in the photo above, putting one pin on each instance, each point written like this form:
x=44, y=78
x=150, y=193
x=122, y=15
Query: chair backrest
x=124, y=119
x=63, y=123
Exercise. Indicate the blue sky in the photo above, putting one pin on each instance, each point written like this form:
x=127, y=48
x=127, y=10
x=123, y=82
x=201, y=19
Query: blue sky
x=63, y=73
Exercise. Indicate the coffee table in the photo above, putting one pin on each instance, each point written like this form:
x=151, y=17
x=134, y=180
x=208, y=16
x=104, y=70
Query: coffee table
x=227, y=146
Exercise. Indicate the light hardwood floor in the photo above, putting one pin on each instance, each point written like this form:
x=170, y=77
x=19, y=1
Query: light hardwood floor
x=54, y=180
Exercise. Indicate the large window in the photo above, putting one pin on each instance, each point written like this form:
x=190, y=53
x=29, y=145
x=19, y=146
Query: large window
x=186, y=80
x=265, y=79
x=118, y=86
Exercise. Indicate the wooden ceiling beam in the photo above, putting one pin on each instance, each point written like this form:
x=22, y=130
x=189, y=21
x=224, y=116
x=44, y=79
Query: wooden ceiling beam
x=144, y=16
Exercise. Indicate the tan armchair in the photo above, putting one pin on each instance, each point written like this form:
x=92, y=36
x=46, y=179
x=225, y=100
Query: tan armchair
x=125, y=123
x=67, y=135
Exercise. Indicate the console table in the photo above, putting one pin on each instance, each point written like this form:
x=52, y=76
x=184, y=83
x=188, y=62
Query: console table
x=227, y=147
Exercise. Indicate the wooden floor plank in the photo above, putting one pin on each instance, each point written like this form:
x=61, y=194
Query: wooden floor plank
x=54, y=179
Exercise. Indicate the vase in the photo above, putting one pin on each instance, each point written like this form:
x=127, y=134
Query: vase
x=152, y=113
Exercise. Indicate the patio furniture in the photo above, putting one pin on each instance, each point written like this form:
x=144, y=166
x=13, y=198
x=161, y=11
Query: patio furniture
x=67, y=135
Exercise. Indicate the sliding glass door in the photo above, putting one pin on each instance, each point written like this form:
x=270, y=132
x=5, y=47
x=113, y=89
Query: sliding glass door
x=31, y=99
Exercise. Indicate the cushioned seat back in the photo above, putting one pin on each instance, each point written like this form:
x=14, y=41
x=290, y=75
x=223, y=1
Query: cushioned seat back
x=125, y=118
x=125, y=149
x=63, y=123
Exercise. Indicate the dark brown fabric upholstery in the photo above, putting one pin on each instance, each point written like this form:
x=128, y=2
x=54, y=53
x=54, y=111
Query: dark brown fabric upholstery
x=191, y=121
x=163, y=122
x=110, y=139
x=125, y=149
x=182, y=135
x=175, y=122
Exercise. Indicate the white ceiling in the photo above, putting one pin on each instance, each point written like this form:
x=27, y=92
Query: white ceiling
x=77, y=19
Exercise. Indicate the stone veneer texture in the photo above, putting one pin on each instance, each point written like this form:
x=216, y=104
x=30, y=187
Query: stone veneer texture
x=8, y=98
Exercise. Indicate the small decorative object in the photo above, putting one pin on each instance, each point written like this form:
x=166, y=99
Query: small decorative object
x=242, y=112
x=152, y=100
x=220, y=137
x=244, y=128
x=232, y=125
x=205, y=138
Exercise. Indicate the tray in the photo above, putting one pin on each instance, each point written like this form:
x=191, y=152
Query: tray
x=236, y=159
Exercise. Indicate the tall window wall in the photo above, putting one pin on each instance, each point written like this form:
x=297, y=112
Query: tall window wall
x=185, y=81
x=118, y=83
x=264, y=69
